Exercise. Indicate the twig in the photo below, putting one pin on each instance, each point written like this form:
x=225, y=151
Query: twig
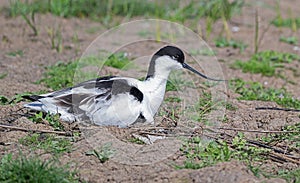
x=277, y=109
x=284, y=157
x=34, y=130
x=256, y=131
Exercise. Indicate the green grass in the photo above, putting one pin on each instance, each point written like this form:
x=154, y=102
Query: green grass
x=292, y=176
x=3, y=75
x=3, y=100
x=290, y=40
x=53, y=120
x=49, y=143
x=17, y=97
x=289, y=22
x=61, y=74
x=173, y=99
x=256, y=91
x=292, y=138
x=201, y=154
x=105, y=10
x=265, y=62
x=16, y=53
x=222, y=42
x=136, y=141
x=104, y=154
x=32, y=169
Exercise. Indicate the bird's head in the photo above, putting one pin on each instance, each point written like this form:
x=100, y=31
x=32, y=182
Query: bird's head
x=171, y=58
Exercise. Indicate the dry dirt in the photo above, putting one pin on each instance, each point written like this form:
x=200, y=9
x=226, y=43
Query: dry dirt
x=23, y=71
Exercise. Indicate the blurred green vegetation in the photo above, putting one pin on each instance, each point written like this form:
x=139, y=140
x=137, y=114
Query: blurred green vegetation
x=257, y=91
x=105, y=10
x=265, y=62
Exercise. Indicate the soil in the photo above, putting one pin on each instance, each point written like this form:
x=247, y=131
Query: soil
x=23, y=71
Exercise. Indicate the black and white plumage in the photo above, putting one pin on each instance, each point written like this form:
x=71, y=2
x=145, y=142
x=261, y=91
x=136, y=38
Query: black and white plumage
x=114, y=100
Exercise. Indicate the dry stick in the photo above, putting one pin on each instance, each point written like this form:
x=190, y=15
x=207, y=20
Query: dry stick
x=260, y=144
x=277, y=109
x=284, y=157
x=256, y=131
x=33, y=130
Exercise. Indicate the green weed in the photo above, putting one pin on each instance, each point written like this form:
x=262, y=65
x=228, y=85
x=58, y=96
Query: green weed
x=4, y=100
x=61, y=74
x=173, y=99
x=32, y=169
x=17, y=53
x=290, y=40
x=289, y=22
x=230, y=106
x=290, y=176
x=17, y=97
x=55, y=38
x=119, y=61
x=223, y=42
x=107, y=9
x=200, y=154
x=256, y=91
x=292, y=138
x=2, y=76
x=136, y=140
x=177, y=82
x=104, y=154
x=52, y=119
x=265, y=62
x=49, y=143
x=31, y=22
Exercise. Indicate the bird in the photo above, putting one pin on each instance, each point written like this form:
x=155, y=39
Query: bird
x=116, y=100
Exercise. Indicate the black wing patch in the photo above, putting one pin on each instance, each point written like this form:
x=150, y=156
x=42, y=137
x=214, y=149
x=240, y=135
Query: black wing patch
x=137, y=94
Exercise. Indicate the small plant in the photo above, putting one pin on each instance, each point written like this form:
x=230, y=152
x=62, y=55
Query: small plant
x=16, y=98
x=49, y=143
x=200, y=155
x=17, y=53
x=265, y=62
x=223, y=42
x=104, y=154
x=32, y=169
x=290, y=176
x=177, y=82
x=289, y=22
x=136, y=141
x=118, y=60
x=290, y=40
x=256, y=91
x=59, y=75
x=56, y=39
x=3, y=100
x=243, y=151
x=52, y=119
x=230, y=106
x=173, y=99
x=31, y=22
x=292, y=138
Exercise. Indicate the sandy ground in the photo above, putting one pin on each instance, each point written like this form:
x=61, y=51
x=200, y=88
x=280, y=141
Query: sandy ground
x=23, y=71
